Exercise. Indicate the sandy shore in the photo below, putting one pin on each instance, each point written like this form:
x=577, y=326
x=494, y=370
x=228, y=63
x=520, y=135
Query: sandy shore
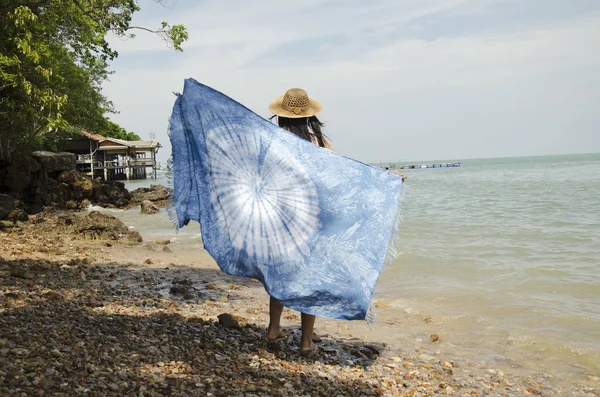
x=112, y=317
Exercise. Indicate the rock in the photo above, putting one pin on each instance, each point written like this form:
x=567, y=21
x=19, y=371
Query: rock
x=157, y=194
x=11, y=209
x=182, y=281
x=134, y=236
x=228, y=321
x=150, y=246
x=72, y=205
x=97, y=226
x=166, y=249
x=56, y=353
x=20, y=351
x=50, y=193
x=7, y=205
x=147, y=207
x=153, y=350
x=53, y=296
x=6, y=225
x=17, y=176
x=178, y=290
x=110, y=193
x=55, y=162
x=18, y=216
x=80, y=186
x=434, y=338
x=162, y=242
x=21, y=272
x=370, y=351
x=85, y=204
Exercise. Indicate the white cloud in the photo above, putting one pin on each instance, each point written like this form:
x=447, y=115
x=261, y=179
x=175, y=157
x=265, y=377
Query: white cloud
x=392, y=95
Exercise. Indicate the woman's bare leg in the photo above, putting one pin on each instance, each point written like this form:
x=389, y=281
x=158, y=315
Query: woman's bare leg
x=308, y=323
x=275, y=310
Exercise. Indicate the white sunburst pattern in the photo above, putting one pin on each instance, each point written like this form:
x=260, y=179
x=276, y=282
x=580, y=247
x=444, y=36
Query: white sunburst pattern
x=313, y=226
x=269, y=205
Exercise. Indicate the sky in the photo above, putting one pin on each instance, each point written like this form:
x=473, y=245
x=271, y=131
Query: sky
x=398, y=79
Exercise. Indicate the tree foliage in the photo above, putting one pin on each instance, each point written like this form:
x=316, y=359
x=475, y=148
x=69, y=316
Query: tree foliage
x=53, y=58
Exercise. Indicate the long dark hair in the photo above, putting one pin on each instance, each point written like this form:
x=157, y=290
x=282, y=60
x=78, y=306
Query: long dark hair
x=304, y=127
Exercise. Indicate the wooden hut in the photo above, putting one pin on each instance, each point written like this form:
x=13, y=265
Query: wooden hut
x=113, y=159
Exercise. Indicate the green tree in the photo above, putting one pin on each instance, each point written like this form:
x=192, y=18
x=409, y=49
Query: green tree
x=53, y=58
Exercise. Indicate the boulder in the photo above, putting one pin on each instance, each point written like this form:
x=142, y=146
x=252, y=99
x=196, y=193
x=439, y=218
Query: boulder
x=111, y=193
x=11, y=209
x=16, y=177
x=134, y=236
x=53, y=182
x=55, y=194
x=228, y=320
x=54, y=163
x=6, y=225
x=157, y=194
x=97, y=226
x=148, y=207
x=79, y=185
x=7, y=206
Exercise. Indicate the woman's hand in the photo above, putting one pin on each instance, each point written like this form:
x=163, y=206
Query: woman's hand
x=399, y=173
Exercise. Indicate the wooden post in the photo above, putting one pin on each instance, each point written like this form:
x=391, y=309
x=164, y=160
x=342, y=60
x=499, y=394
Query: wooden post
x=127, y=168
x=104, y=165
x=154, y=162
x=91, y=159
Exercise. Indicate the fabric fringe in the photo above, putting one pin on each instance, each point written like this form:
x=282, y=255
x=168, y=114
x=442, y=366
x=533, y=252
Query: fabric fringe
x=171, y=210
x=393, y=250
x=172, y=213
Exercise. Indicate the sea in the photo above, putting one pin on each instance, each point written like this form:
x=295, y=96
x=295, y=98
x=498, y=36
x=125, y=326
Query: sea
x=500, y=258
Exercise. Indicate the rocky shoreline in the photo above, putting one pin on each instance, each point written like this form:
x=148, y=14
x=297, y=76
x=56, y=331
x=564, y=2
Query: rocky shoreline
x=102, y=313
x=48, y=180
x=87, y=307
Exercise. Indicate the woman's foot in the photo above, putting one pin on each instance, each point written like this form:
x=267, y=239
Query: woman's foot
x=306, y=343
x=276, y=335
x=311, y=352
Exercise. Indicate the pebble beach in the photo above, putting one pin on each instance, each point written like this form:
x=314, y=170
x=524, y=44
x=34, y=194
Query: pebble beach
x=91, y=314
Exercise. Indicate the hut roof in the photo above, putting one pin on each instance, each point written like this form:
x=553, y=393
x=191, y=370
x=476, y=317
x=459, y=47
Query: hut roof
x=120, y=142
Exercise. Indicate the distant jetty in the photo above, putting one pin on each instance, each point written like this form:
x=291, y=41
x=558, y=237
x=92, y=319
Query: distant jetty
x=392, y=166
x=418, y=166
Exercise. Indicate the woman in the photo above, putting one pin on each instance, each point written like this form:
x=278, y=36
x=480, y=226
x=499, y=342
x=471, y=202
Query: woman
x=296, y=112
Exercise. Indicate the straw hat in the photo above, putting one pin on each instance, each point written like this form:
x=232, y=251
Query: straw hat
x=295, y=104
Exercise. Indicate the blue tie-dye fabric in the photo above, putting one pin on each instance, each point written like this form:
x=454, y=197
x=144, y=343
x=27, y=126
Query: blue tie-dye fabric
x=313, y=226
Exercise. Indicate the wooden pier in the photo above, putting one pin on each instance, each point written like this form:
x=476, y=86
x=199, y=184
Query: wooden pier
x=437, y=165
x=395, y=166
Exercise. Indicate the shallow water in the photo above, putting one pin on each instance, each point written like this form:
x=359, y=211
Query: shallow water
x=500, y=258
x=503, y=257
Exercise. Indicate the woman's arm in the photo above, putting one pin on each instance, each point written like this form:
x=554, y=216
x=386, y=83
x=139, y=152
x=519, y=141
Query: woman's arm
x=399, y=173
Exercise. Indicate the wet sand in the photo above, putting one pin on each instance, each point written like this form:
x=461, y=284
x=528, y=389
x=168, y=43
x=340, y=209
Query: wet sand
x=112, y=317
